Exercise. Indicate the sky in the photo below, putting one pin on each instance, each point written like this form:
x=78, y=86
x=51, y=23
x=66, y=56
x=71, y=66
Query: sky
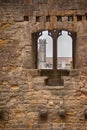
x=64, y=44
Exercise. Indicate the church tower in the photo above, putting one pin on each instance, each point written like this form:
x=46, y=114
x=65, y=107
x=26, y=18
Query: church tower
x=42, y=53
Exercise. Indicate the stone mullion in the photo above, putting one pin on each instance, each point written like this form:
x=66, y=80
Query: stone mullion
x=54, y=34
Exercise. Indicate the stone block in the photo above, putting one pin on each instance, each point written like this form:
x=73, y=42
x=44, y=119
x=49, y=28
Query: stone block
x=19, y=19
x=74, y=72
x=40, y=1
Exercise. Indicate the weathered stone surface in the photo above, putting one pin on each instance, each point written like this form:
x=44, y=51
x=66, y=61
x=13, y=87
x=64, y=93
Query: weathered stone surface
x=62, y=112
x=22, y=87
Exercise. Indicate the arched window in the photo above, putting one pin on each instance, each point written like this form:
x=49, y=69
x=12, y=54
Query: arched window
x=54, y=49
x=44, y=51
x=64, y=51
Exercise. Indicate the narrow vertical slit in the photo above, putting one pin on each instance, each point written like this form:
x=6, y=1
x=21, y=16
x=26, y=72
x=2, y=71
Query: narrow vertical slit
x=59, y=18
x=47, y=18
x=70, y=18
x=79, y=18
x=26, y=18
x=37, y=18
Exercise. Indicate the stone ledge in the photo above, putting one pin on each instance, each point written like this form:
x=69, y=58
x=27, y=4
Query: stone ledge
x=54, y=87
x=74, y=72
x=40, y=79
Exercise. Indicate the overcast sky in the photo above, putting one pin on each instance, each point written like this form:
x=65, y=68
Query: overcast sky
x=64, y=44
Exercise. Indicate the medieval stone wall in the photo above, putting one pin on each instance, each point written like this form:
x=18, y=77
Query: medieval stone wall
x=23, y=93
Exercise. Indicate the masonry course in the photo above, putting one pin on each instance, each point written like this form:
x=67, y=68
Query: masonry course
x=23, y=91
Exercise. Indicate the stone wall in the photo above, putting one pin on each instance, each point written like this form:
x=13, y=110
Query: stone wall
x=23, y=93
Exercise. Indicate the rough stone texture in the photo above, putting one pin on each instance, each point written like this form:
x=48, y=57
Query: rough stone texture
x=21, y=94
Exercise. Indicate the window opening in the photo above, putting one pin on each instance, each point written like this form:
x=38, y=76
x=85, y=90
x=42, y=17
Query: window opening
x=64, y=51
x=79, y=18
x=70, y=18
x=86, y=16
x=26, y=18
x=54, y=49
x=37, y=18
x=44, y=50
x=47, y=18
x=59, y=18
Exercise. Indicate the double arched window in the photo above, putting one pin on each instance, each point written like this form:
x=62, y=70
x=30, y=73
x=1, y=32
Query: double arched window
x=55, y=49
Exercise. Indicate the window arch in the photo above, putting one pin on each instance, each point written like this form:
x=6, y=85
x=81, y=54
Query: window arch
x=47, y=46
x=44, y=50
x=64, y=51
